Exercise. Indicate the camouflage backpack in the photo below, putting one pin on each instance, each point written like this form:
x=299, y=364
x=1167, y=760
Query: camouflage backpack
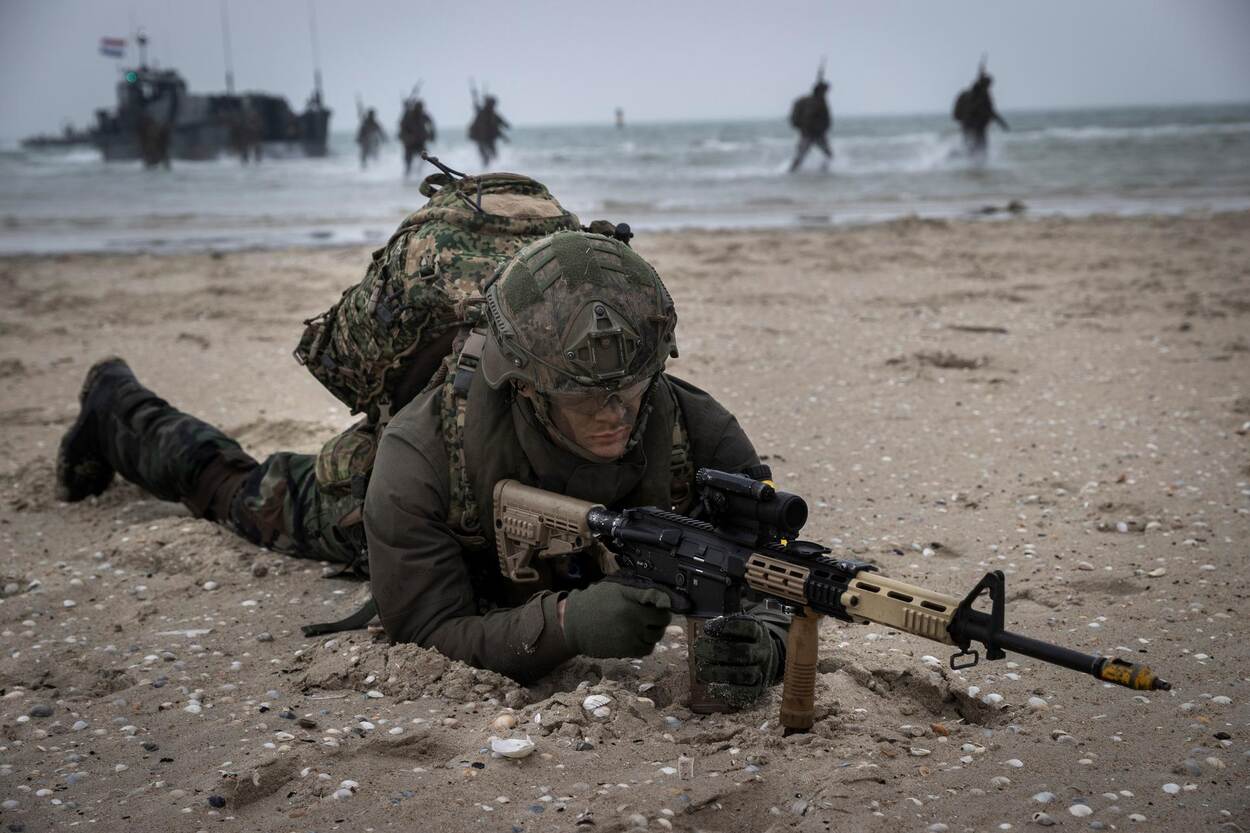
x=381, y=344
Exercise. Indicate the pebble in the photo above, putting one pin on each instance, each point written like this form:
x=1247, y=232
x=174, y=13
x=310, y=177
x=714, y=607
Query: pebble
x=1171, y=789
x=265, y=636
x=374, y=694
x=1080, y=810
x=504, y=722
x=1137, y=817
x=1037, y=703
x=79, y=725
x=1221, y=700
x=193, y=707
x=210, y=585
x=636, y=820
x=259, y=570
x=1000, y=782
x=216, y=801
x=1043, y=819
x=40, y=710
x=1044, y=797
x=1014, y=763
x=937, y=827
x=920, y=752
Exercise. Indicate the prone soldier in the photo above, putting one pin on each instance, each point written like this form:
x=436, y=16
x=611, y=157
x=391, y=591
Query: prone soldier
x=565, y=389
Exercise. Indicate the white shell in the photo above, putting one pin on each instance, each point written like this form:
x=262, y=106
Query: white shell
x=512, y=747
x=603, y=712
x=595, y=701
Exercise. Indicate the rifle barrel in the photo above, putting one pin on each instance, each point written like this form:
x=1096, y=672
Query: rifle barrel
x=977, y=627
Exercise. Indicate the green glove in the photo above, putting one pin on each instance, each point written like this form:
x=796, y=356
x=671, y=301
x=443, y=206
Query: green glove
x=737, y=657
x=609, y=619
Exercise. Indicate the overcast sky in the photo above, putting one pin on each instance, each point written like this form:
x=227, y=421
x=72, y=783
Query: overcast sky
x=575, y=62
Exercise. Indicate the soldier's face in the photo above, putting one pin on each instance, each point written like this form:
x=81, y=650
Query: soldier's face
x=604, y=432
x=600, y=424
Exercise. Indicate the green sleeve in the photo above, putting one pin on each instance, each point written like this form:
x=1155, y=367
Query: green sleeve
x=419, y=575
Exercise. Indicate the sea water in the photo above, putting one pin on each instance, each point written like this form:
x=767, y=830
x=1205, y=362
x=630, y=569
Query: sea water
x=716, y=174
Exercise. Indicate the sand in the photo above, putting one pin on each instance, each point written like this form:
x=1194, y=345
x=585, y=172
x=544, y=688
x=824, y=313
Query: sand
x=1065, y=400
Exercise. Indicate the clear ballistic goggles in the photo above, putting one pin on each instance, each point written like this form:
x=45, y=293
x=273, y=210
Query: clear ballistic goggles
x=588, y=401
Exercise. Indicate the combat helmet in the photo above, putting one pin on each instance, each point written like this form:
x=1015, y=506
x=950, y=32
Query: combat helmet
x=575, y=310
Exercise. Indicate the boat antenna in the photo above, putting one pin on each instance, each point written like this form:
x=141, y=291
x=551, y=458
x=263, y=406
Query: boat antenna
x=141, y=38
x=316, y=52
x=225, y=44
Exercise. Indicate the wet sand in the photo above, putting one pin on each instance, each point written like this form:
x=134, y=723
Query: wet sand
x=1065, y=400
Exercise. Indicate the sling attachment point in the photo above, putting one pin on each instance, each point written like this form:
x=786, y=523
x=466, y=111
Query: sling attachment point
x=467, y=364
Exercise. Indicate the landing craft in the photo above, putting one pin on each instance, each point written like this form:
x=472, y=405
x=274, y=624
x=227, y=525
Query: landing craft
x=200, y=125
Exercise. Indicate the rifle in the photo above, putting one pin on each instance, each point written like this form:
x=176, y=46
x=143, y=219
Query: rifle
x=746, y=549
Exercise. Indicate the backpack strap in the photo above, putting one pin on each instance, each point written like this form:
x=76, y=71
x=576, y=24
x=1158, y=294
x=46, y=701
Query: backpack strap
x=462, y=515
x=681, y=463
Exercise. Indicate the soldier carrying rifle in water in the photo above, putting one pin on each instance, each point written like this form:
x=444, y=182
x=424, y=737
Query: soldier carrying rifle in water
x=974, y=110
x=811, y=117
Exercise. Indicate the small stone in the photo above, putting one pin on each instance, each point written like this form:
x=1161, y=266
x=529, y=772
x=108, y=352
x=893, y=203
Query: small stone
x=1043, y=819
x=1221, y=700
x=1171, y=789
x=341, y=793
x=260, y=570
x=1037, y=704
x=216, y=801
x=1080, y=810
x=937, y=827
x=306, y=723
x=1000, y=782
x=264, y=636
x=40, y=710
x=1044, y=797
x=920, y=752
x=1014, y=763
x=374, y=694
x=210, y=585
x=636, y=820
x=504, y=722
x=1136, y=817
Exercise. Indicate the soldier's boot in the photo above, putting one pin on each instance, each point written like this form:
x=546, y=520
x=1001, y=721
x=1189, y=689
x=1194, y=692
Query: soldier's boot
x=126, y=429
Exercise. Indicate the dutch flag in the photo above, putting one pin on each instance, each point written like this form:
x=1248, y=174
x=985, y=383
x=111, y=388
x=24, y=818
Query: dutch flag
x=113, y=47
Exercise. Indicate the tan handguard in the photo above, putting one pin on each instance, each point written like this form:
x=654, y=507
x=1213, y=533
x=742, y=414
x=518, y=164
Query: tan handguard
x=533, y=522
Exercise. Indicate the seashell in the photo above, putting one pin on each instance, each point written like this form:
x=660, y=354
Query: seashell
x=595, y=701
x=504, y=722
x=512, y=747
x=603, y=712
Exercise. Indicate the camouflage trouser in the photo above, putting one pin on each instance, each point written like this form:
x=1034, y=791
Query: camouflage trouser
x=276, y=504
x=281, y=506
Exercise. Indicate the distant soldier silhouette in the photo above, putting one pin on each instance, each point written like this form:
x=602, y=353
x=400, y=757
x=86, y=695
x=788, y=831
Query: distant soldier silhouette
x=974, y=110
x=416, y=130
x=246, y=132
x=810, y=116
x=156, y=123
x=487, y=127
x=369, y=137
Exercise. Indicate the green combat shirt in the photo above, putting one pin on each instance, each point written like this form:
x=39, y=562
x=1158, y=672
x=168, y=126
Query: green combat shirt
x=425, y=576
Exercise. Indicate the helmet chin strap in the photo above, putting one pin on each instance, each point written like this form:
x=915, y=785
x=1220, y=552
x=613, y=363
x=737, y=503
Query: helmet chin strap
x=540, y=406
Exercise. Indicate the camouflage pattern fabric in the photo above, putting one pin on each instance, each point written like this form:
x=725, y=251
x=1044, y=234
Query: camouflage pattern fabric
x=282, y=507
x=426, y=280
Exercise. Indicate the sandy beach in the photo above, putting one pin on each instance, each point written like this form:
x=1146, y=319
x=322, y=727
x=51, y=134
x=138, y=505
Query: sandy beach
x=1066, y=400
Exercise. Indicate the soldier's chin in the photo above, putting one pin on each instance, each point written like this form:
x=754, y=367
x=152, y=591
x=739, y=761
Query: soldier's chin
x=608, y=446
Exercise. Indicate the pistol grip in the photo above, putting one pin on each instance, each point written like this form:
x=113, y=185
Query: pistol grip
x=798, y=698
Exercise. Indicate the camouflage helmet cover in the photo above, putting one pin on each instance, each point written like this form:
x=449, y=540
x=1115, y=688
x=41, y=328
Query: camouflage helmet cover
x=576, y=309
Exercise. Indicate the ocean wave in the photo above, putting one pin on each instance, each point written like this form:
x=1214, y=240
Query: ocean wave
x=1148, y=132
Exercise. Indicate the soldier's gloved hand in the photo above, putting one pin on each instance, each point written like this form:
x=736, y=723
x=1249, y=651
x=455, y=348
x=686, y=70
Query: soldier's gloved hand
x=737, y=657
x=609, y=619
